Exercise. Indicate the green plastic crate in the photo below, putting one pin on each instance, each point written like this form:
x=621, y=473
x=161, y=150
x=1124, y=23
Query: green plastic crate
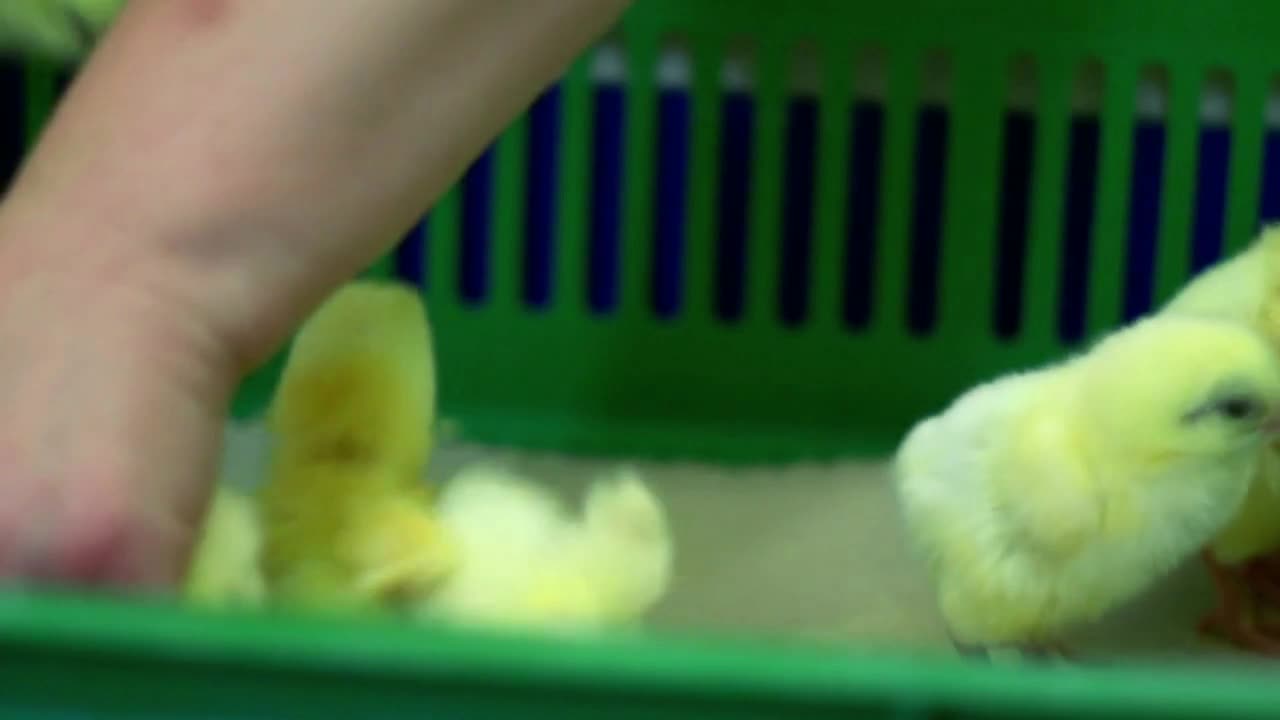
x=629, y=382
x=562, y=377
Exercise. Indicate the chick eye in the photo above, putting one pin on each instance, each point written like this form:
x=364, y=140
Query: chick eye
x=1239, y=408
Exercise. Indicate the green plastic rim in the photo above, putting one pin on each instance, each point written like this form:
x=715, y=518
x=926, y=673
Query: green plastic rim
x=161, y=660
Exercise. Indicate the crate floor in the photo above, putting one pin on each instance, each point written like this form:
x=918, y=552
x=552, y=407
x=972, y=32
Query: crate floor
x=810, y=552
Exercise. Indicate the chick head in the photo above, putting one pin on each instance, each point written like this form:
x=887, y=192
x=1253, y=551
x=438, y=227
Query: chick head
x=359, y=380
x=1172, y=387
x=1269, y=306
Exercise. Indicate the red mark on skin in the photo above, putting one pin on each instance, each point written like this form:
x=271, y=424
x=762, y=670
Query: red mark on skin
x=95, y=533
x=95, y=561
x=8, y=546
x=202, y=14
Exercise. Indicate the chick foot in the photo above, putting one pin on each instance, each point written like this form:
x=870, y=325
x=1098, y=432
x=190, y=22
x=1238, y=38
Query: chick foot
x=1240, y=633
x=1048, y=652
x=1058, y=652
x=1236, y=617
x=1263, y=578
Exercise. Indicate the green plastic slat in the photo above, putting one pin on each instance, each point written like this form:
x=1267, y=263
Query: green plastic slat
x=446, y=239
x=1241, y=30
x=705, y=144
x=1048, y=186
x=1247, y=133
x=967, y=262
x=39, y=80
x=383, y=267
x=1181, y=161
x=253, y=395
x=637, y=256
x=764, y=232
x=831, y=211
x=893, y=239
x=1115, y=169
x=569, y=269
x=506, y=258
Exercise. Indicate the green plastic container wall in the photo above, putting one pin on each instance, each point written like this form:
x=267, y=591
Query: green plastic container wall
x=564, y=376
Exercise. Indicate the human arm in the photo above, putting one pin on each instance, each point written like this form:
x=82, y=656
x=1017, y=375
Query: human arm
x=216, y=169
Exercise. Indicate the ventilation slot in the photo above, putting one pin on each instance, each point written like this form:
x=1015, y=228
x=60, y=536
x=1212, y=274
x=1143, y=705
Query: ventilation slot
x=477, y=205
x=930, y=173
x=410, y=260
x=1209, y=222
x=863, y=191
x=542, y=173
x=1081, y=202
x=1145, y=192
x=1015, y=198
x=609, y=108
x=13, y=131
x=671, y=181
x=737, y=126
x=1163, y=223
x=1270, y=200
x=796, y=241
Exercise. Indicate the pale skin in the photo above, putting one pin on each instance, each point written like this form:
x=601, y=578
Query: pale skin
x=218, y=167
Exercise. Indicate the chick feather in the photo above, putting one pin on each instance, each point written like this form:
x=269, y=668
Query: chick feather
x=225, y=569
x=1043, y=499
x=349, y=522
x=525, y=560
x=1245, y=289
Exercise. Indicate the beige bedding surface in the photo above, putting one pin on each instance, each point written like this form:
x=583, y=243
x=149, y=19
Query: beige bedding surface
x=811, y=551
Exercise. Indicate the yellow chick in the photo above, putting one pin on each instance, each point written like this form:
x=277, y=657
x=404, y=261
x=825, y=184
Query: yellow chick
x=1245, y=289
x=525, y=561
x=1234, y=288
x=225, y=570
x=62, y=30
x=359, y=383
x=348, y=521
x=1043, y=499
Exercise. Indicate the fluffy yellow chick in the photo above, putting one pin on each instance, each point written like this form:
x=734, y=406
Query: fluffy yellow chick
x=1043, y=499
x=1245, y=289
x=348, y=521
x=225, y=569
x=62, y=30
x=359, y=384
x=1233, y=289
x=525, y=561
